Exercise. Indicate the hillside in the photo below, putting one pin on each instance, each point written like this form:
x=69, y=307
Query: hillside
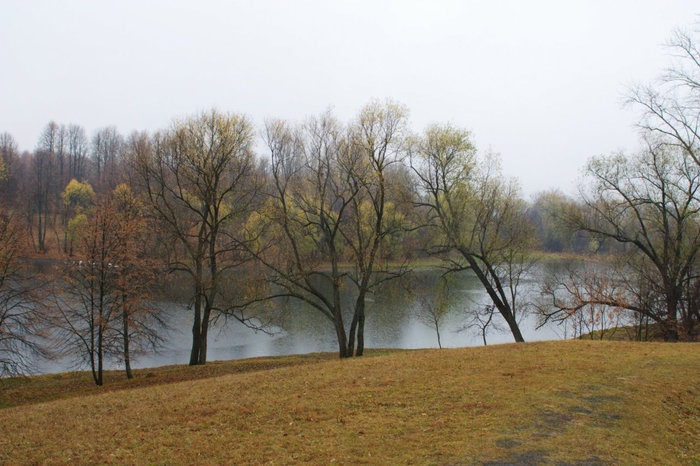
x=573, y=402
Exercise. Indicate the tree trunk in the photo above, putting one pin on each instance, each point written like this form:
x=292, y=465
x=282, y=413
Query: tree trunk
x=196, y=331
x=98, y=380
x=127, y=356
x=361, y=332
x=671, y=324
x=501, y=305
x=514, y=328
x=339, y=327
x=203, y=335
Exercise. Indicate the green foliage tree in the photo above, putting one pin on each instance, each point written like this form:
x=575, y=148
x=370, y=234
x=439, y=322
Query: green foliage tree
x=78, y=197
x=476, y=213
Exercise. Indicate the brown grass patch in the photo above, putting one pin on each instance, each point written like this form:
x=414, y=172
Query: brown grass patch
x=560, y=402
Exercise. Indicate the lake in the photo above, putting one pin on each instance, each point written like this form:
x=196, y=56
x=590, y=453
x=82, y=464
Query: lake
x=392, y=321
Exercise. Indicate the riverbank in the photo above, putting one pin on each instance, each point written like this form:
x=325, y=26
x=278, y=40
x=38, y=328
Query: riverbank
x=573, y=402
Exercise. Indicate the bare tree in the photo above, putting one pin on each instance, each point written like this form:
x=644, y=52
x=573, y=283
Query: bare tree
x=87, y=301
x=42, y=165
x=107, y=146
x=648, y=205
x=298, y=229
x=136, y=277
x=671, y=106
x=103, y=307
x=77, y=152
x=45, y=183
x=430, y=309
x=9, y=154
x=375, y=140
x=482, y=320
x=20, y=319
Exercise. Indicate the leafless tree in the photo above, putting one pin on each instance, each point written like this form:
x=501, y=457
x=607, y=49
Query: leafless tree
x=107, y=145
x=102, y=303
x=77, y=152
x=647, y=204
x=20, y=318
x=431, y=309
x=9, y=154
x=671, y=106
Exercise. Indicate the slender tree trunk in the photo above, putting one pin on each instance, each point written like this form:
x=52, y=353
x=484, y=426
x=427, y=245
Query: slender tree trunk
x=98, y=381
x=203, y=335
x=342, y=339
x=40, y=222
x=339, y=327
x=93, y=366
x=353, y=329
x=500, y=304
x=437, y=330
x=127, y=356
x=361, y=332
x=196, y=329
x=351, y=334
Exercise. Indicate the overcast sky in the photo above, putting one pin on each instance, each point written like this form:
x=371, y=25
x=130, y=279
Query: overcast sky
x=541, y=83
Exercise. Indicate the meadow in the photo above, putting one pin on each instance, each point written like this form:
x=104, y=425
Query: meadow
x=564, y=402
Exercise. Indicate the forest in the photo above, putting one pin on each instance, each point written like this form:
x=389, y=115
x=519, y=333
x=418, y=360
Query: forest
x=245, y=215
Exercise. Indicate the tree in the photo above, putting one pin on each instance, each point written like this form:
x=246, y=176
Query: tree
x=647, y=204
x=77, y=152
x=298, y=228
x=482, y=319
x=375, y=139
x=670, y=108
x=8, y=167
x=328, y=204
x=430, y=309
x=44, y=181
x=77, y=197
x=199, y=180
x=87, y=302
x=20, y=319
x=43, y=163
x=102, y=305
x=107, y=146
x=136, y=275
x=477, y=214
x=544, y=213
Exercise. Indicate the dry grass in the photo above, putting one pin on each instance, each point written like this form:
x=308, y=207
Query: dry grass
x=25, y=390
x=575, y=402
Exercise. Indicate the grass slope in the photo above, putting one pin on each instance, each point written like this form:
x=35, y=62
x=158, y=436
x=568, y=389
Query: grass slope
x=573, y=402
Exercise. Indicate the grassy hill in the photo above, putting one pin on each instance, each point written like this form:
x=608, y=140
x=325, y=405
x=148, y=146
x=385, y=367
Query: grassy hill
x=573, y=402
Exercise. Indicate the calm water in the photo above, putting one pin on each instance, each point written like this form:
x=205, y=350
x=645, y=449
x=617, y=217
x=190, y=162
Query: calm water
x=392, y=321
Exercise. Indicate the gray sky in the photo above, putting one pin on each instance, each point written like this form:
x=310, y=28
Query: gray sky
x=541, y=83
